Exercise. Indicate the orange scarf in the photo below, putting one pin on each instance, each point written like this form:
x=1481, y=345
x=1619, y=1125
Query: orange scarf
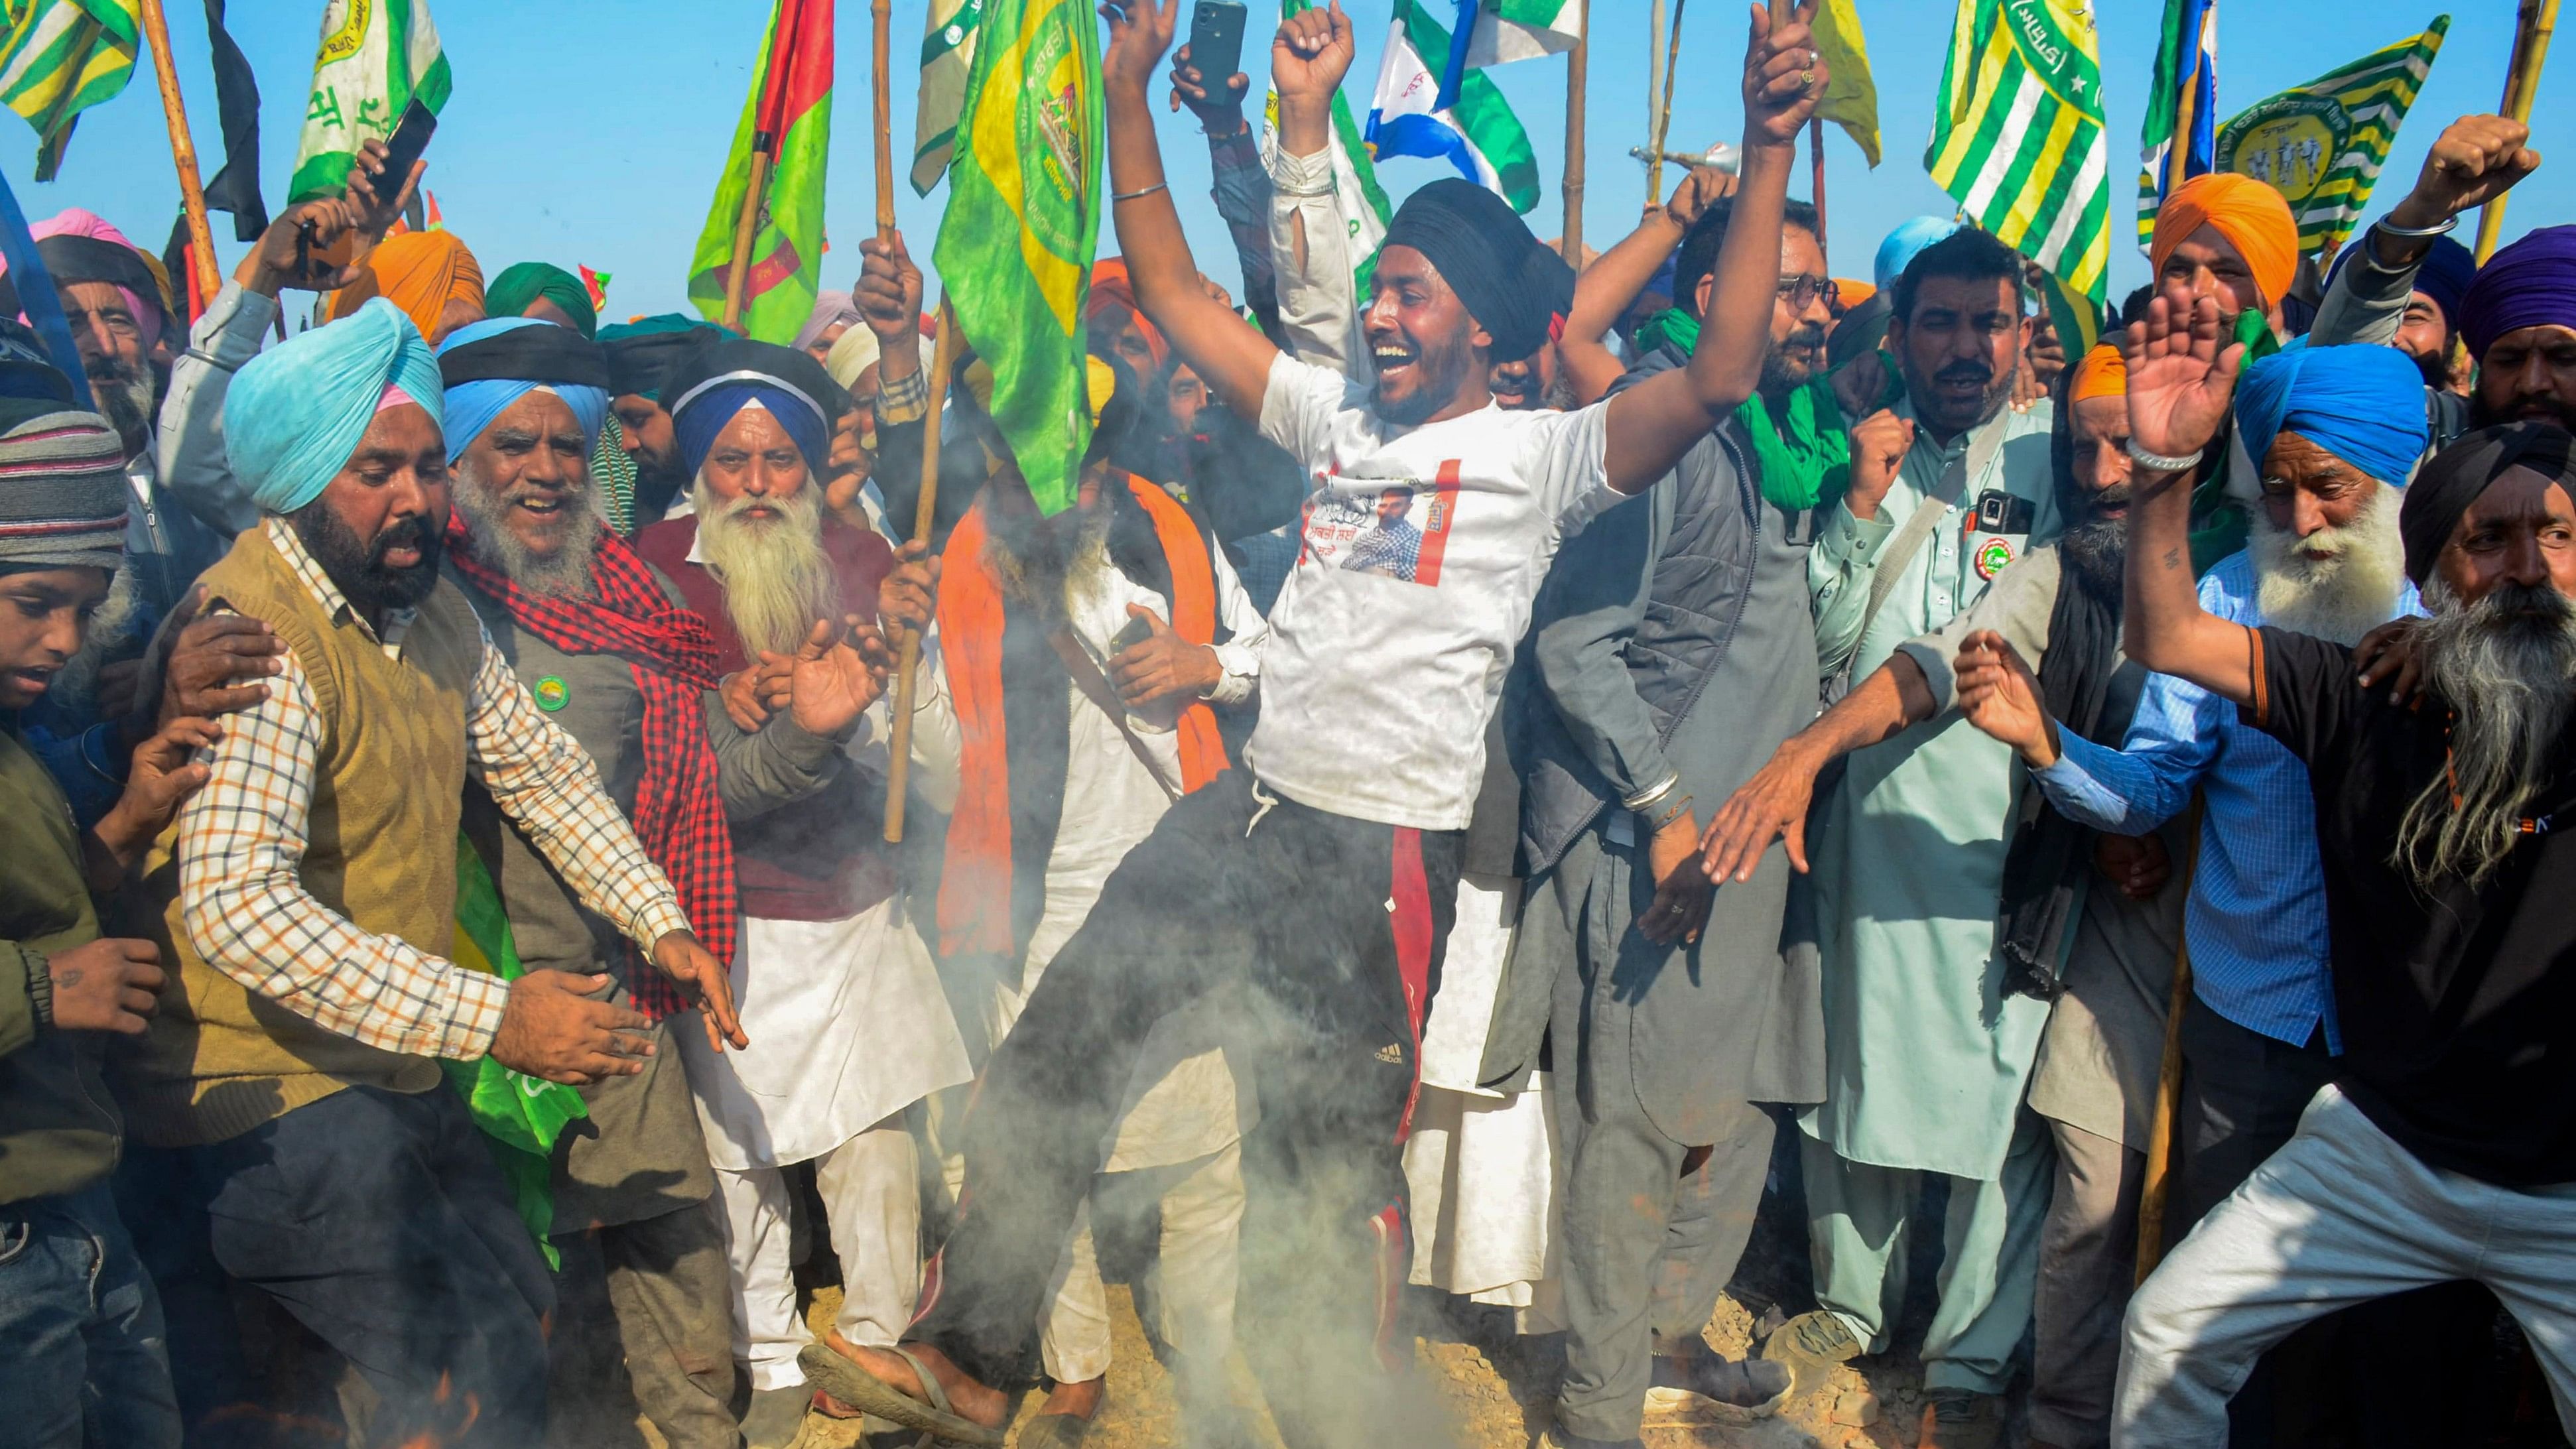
x=975, y=886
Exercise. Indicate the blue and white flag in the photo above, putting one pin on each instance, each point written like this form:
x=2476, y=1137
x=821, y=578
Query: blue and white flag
x=1477, y=133
x=2182, y=92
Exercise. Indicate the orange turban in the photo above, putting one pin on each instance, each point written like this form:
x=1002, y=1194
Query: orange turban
x=418, y=271
x=2253, y=217
x=2102, y=373
x=1109, y=284
x=1852, y=291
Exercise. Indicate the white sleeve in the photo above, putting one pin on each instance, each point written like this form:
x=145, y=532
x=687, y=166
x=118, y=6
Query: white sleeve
x=1298, y=406
x=1310, y=248
x=1565, y=457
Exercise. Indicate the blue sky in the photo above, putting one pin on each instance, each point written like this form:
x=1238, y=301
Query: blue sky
x=591, y=131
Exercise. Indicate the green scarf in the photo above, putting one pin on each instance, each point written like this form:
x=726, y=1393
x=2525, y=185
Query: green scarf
x=1799, y=446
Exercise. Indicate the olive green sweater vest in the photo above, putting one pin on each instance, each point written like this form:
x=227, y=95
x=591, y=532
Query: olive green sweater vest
x=380, y=851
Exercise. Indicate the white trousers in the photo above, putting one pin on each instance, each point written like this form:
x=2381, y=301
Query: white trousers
x=1202, y=1210
x=872, y=1201
x=2341, y=1215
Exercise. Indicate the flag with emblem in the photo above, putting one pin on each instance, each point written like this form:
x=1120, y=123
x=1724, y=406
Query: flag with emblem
x=947, y=54
x=1475, y=131
x=787, y=119
x=1016, y=245
x=376, y=58
x=2017, y=138
x=2181, y=95
x=58, y=59
x=2322, y=144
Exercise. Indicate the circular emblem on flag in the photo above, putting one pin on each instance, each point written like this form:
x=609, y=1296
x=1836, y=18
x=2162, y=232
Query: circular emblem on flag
x=1992, y=555
x=553, y=694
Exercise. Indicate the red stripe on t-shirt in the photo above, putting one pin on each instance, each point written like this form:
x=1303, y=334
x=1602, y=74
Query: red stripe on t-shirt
x=1410, y=891
x=1435, y=529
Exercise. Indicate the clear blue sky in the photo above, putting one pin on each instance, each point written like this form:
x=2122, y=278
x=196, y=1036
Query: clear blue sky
x=591, y=131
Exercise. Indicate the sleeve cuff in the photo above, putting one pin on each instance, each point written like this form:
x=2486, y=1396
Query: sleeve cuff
x=1302, y=175
x=1852, y=539
x=235, y=324
x=657, y=918
x=1240, y=675
x=1937, y=674
x=40, y=984
x=481, y=1001
x=904, y=399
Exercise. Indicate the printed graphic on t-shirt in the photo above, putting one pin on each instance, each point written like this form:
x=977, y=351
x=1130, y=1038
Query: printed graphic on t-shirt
x=1394, y=528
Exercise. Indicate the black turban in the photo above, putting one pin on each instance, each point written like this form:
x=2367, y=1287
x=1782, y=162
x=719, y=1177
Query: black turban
x=2445, y=487
x=1508, y=281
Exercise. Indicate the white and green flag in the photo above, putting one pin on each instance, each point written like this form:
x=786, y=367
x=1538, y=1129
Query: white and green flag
x=948, y=34
x=2321, y=145
x=1475, y=132
x=1508, y=30
x=376, y=57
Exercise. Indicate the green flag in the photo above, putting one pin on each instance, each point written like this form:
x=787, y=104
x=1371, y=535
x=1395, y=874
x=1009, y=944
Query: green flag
x=377, y=56
x=787, y=118
x=1015, y=248
x=2322, y=144
x=2017, y=137
x=59, y=58
x=948, y=35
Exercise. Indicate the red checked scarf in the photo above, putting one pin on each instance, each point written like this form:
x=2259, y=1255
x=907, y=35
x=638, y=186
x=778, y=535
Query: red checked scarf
x=678, y=815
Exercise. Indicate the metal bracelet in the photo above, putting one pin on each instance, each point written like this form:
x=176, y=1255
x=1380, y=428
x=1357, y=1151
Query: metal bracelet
x=1118, y=196
x=1644, y=800
x=2159, y=461
x=2448, y=225
x=1679, y=809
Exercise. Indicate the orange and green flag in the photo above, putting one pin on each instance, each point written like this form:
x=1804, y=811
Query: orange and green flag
x=787, y=118
x=1023, y=221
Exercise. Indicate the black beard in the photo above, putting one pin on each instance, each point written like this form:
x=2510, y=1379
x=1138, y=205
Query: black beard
x=2436, y=369
x=357, y=568
x=2557, y=414
x=1443, y=371
x=2097, y=550
x=1789, y=366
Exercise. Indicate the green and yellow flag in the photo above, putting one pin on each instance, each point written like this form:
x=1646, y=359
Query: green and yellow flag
x=1023, y=221
x=2322, y=144
x=520, y=1115
x=58, y=58
x=376, y=58
x=1851, y=96
x=787, y=118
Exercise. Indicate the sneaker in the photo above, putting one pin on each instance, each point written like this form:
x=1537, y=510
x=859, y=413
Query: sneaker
x=1809, y=1345
x=1959, y=1419
x=1719, y=1388
x=775, y=1417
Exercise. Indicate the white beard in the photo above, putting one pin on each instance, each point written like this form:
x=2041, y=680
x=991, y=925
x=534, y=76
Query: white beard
x=2341, y=597
x=777, y=580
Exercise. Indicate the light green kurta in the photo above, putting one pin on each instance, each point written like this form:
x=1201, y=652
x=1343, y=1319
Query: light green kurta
x=1926, y=1059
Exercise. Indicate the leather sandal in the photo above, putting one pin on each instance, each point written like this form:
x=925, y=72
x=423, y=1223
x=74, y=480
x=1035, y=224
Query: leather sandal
x=851, y=1383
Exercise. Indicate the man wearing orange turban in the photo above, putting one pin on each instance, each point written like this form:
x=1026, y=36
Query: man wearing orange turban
x=2230, y=238
x=428, y=274
x=1111, y=312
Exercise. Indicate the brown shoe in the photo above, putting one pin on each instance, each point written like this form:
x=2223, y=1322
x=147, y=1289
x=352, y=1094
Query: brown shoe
x=1809, y=1345
x=1958, y=1419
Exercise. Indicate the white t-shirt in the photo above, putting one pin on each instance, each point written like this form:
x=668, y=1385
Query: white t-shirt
x=1423, y=549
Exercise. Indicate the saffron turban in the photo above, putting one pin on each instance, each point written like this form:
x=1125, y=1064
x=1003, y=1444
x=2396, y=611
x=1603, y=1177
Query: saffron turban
x=2529, y=284
x=2103, y=372
x=1109, y=286
x=722, y=378
x=297, y=411
x=418, y=271
x=80, y=246
x=2253, y=218
x=831, y=309
x=1485, y=252
x=62, y=488
x=518, y=286
x=488, y=365
x=1904, y=244
x=2364, y=404
x=2459, y=473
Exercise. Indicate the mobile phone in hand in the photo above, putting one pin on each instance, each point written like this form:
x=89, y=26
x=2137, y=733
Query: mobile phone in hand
x=1216, y=43
x=1137, y=630
x=405, y=145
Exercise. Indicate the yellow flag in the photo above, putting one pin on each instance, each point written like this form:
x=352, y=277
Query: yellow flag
x=1851, y=97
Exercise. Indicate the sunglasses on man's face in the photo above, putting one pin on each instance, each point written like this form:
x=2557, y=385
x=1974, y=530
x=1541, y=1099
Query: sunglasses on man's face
x=1799, y=292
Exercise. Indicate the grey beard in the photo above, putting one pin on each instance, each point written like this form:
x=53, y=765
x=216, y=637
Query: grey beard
x=1036, y=559
x=565, y=575
x=2340, y=599
x=778, y=582
x=2506, y=665
x=125, y=396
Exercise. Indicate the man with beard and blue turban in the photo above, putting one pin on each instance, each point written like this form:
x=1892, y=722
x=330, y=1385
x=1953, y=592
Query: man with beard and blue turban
x=294, y=1076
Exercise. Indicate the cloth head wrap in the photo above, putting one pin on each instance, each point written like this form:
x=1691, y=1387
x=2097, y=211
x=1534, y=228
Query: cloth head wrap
x=857, y=351
x=80, y=246
x=2364, y=404
x=2459, y=473
x=2102, y=373
x=1110, y=287
x=489, y=365
x=297, y=411
x=62, y=488
x=1852, y=291
x=2444, y=275
x=642, y=352
x=1485, y=252
x=831, y=309
x=2253, y=218
x=1904, y=244
x=418, y=271
x=2529, y=284
x=521, y=284
x=714, y=382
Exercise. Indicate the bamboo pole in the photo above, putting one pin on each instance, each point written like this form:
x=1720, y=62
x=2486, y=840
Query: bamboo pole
x=1577, y=64
x=2531, y=32
x=2155, y=1187
x=1654, y=88
x=1816, y=168
x=1664, y=105
x=183, y=150
x=943, y=359
x=738, y=274
x=882, y=13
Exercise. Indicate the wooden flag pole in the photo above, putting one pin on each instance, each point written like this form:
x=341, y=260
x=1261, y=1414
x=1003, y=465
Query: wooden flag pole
x=1654, y=123
x=882, y=12
x=183, y=150
x=1816, y=168
x=1577, y=63
x=738, y=274
x=1664, y=106
x=2532, y=28
x=943, y=359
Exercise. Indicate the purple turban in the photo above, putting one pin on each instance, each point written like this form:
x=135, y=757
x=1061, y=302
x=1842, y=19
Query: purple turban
x=2529, y=284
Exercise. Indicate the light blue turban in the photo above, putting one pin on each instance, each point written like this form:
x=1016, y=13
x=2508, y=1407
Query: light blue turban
x=295, y=413
x=1905, y=243
x=2364, y=404
x=471, y=406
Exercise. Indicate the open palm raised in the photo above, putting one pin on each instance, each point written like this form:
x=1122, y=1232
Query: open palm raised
x=2180, y=379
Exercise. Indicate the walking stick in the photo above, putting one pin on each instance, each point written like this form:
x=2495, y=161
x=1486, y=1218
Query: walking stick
x=2155, y=1186
x=183, y=153
x=943, y=357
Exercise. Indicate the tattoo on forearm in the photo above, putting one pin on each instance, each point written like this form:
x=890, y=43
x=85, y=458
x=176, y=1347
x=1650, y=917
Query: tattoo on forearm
x=2173, y=558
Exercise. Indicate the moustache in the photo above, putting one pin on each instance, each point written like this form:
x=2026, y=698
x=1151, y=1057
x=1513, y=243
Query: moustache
x=2115, y=496
x=1806, y=335
x=401, y=533
x=1963, y=371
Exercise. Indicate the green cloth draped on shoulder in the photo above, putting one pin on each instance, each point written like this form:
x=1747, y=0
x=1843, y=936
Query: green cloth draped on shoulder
x=1799, y=445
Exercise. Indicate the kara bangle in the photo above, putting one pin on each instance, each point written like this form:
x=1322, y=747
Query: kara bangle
x=2159, y=461
x=1678, y=809
x=2445, y=227
x=1118, y=196
x=1644, y=800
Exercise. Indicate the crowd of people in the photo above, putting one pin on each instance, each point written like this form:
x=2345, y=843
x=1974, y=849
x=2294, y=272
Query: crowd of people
x=1503, y=778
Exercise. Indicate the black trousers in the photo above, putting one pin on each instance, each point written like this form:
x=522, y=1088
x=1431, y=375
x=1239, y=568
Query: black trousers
x=1329, y=931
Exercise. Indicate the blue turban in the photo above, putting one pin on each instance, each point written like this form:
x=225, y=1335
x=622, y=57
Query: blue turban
x=295, y=413
x=1904, y=244
x=719, y=379
x=2443, y=275
x=2364, y=404
x=578, y=376
x=695, y=426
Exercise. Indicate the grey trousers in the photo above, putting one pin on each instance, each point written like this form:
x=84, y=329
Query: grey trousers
x=1647, y=1248
x=2088, y=1255
x=665, y=1282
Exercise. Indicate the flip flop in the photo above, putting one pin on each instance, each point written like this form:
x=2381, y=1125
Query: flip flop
x=1055, y=1431
x=853, y=1385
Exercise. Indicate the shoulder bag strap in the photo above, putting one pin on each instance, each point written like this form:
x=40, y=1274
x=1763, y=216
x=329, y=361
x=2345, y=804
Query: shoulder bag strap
x=1087, y=678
